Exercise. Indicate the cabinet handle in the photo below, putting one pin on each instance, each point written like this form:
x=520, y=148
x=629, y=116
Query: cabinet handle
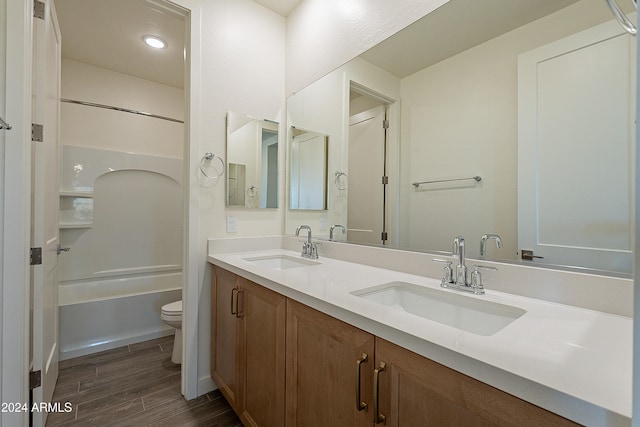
x=239, y=304
x=234, y=305
x=360, y=405
x=379, y=418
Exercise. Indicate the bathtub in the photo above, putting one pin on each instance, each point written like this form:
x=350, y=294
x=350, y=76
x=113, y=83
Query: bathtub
x=100, y=315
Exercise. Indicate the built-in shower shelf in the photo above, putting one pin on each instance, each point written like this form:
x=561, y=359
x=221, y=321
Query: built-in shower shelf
x=76, y=210
x=70, y=225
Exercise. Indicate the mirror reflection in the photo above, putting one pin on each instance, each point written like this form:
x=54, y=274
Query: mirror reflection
x=308, y=170
x=536, y=99
x=252, y=162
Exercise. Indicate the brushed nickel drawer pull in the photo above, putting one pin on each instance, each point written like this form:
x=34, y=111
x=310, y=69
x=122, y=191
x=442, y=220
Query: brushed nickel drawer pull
x=234, y=305
x=379, y=418
x=239, y=304
x=360, y=405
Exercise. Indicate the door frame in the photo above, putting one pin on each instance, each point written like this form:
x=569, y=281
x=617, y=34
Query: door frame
x=16, y=218
x=193, y=250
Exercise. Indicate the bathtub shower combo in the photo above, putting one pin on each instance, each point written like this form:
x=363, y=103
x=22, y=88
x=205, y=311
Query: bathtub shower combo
x=121, y=215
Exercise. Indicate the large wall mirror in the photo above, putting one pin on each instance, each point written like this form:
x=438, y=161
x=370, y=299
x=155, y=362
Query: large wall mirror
x=519, y=125
x=252, y=162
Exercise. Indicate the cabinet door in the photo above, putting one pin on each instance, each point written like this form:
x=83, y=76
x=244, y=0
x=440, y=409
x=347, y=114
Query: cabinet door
x=322, y=355
x=225, y=336
x=263, y=355
x=415, y=391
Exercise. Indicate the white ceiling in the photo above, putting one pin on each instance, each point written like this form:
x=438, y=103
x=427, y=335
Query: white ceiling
x=108, y=34
x=282, y=7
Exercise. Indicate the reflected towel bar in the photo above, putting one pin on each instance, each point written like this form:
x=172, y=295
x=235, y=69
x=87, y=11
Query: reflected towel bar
x=124, y=110
x=475, y=178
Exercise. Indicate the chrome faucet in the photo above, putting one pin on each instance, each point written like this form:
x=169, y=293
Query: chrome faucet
x=461, y=270
x=309, y=250
x=483, y=243
x=333, y=227
x=457, y=279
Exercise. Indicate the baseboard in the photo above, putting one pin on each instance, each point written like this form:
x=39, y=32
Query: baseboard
x=83, y=351
x=205, y=385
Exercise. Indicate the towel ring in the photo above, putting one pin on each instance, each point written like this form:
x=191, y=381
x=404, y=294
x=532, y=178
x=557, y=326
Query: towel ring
x=252, y=192
x=338, y=181
x=209, y=157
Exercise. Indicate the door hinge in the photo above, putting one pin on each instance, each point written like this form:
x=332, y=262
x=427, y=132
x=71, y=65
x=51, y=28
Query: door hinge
x=35, y=379
x=384, y=236
x=385, y=180
x=385, y=124
x=37, y=132
x=38, y=9
x=36, y=256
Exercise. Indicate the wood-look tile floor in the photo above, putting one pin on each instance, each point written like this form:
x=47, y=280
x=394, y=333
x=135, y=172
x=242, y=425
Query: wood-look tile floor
x=135, y=385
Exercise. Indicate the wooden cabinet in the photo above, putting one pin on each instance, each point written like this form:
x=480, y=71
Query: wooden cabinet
x=263, y=355
x=248, y=348
x=415, y=391
x=322, y=370
x=225, y=337
x=326, y=371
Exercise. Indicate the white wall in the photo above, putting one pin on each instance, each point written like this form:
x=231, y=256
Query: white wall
x=242, y=70
x=324, y=34
x=459, y=119
x=118, y=131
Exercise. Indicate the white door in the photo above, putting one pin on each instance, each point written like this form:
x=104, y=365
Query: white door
x=576, y=119
x=15, y=77
x=365, y=212
x=46, y=203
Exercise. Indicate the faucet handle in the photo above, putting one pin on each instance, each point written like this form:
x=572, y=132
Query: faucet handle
x=313, y=252
x=476, y=278
x=447, y=274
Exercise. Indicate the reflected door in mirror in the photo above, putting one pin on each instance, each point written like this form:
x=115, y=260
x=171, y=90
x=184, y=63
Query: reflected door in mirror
x=577, y=116
x=308, y=178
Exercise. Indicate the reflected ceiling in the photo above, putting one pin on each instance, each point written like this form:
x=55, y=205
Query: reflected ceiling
x=395, y=54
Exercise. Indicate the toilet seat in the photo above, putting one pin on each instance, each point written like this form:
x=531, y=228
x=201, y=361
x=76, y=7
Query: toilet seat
x=172, y=309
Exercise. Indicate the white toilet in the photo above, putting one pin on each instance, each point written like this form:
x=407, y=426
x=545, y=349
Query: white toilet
x=172, y=316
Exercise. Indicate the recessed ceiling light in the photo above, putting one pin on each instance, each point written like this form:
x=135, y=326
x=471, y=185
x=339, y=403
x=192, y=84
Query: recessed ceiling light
x=155, y=42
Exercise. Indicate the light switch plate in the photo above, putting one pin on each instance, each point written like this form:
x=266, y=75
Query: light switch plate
x=232, y=224
x=323, y=222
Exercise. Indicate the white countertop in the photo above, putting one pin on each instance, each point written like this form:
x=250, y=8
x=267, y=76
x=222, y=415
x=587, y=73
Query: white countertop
x=572, y=361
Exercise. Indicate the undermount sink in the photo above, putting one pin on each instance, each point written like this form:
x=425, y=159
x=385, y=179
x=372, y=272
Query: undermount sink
x=468, y=314
x=281, y=262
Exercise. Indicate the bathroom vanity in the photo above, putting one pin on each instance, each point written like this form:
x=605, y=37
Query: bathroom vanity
x=295, y=342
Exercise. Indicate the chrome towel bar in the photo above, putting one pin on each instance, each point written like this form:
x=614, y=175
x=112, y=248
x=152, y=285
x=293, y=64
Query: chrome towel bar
x=475, y=178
